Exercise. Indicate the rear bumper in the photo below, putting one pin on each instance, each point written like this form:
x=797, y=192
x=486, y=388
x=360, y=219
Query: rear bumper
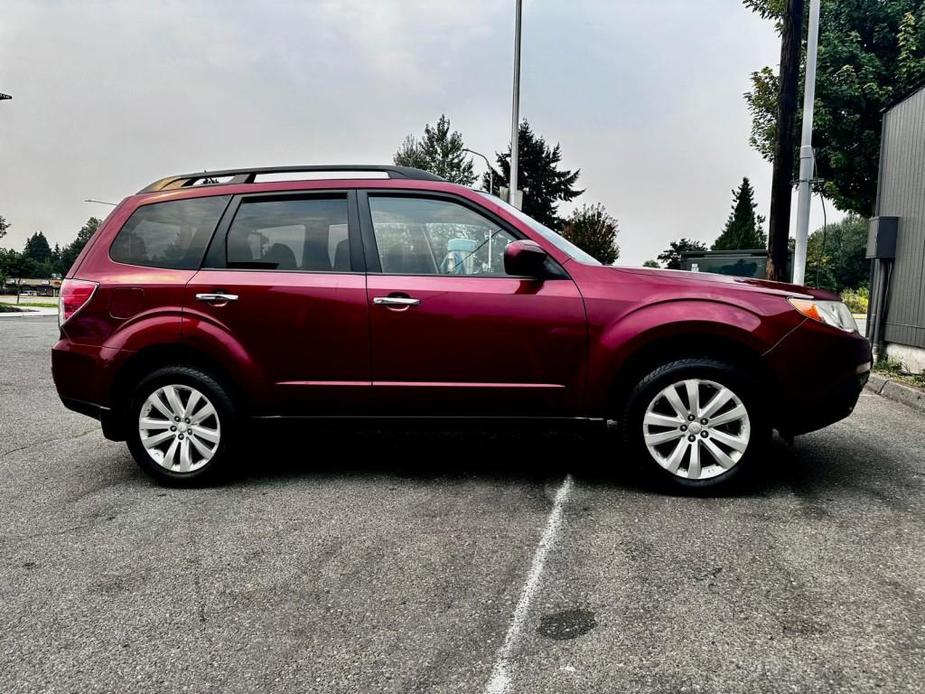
x=83, y=376
x=819, y=373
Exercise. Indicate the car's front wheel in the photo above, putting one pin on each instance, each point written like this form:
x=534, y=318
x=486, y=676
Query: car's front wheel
x=181, y=424
x=696, y=422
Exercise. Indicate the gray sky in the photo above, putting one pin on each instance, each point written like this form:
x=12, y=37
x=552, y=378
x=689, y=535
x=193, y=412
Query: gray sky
x=645, y=96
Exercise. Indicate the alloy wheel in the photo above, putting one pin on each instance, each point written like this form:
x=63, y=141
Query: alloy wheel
x=696, y=429
x=179, y=428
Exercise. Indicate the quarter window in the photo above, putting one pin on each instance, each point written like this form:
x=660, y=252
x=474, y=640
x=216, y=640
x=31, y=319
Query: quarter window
x=308, y=234
x=169, y=234
x=422, y=236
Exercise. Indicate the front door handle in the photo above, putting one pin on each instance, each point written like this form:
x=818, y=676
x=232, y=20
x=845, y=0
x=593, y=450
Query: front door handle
x=216, y=297
x=403, y=301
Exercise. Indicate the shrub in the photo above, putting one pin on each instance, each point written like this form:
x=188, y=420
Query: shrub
x=857, y=300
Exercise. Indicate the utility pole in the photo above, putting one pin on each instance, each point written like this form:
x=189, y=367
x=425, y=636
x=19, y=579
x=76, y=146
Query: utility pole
x=782, y=177
x=515, y=110
x=807, y=158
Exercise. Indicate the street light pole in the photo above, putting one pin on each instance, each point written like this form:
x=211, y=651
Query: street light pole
x=488, y=164
x=515, y=110
x=807, y=158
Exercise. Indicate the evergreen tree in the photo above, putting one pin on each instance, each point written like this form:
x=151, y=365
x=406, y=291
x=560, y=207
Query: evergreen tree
x=440, y=152
x=540, y=179
x=743, y=228
x=70, y=252
x=4, y=225
x=672, y=257
x=594, y=231
x=37, y=248
x=56, y=258
x=410, y=154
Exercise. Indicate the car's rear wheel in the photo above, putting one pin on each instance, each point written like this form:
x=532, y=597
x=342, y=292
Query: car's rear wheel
x=697, y=423
x=181, y=424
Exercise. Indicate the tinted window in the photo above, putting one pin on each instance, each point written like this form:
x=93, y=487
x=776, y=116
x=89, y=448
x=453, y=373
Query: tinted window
x=421, y=236
x=308, y=234
x=169, y=234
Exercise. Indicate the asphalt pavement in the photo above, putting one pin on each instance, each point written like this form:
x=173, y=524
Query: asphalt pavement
x=431, y=559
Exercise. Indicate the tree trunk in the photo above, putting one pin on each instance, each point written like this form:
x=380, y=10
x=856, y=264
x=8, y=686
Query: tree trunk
x=782, y=178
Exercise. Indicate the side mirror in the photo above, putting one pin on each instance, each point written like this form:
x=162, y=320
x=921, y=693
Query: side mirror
x=525, y=258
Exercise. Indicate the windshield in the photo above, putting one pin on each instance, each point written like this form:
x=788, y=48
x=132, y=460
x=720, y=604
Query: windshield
x=555, y=239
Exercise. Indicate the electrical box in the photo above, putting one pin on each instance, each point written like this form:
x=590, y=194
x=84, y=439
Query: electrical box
x=881, y=238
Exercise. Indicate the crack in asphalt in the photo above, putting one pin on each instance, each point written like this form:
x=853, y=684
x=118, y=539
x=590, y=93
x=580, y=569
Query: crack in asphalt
x=48, y=441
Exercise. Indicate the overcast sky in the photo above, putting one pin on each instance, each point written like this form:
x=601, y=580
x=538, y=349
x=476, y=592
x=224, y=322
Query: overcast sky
x=644, y=96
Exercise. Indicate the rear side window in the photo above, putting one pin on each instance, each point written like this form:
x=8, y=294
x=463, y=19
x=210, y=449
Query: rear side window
x=169, y=234
x=306, y=234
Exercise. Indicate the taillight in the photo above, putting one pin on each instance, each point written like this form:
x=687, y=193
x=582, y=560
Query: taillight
x=74, y=295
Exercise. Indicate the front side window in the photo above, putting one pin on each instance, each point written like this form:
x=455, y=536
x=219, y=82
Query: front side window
x=554, y=238
x=424, y=236
x=169, y=234
x=306, y=234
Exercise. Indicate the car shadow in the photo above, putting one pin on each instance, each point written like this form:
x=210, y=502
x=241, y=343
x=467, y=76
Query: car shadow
x=527, y=451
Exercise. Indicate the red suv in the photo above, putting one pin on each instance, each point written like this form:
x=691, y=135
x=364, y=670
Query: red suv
x=211, y=298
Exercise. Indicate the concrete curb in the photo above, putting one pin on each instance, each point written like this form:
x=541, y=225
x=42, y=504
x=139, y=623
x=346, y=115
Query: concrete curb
x=897, y=392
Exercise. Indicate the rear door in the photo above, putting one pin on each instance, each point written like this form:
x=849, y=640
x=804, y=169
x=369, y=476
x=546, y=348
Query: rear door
x=283, y=292
x=451, y=333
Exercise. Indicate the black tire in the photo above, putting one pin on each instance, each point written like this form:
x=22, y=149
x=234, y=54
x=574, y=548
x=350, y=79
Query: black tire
x=226, y=413
x=739, y=381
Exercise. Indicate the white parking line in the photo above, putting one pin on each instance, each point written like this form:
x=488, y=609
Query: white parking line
x=500, y=675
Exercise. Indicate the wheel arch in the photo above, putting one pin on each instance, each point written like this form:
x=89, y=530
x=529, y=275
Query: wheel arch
x=652, y=350
x=148, y=360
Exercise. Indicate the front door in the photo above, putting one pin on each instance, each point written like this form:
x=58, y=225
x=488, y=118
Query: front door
x=283, y=290
x=451, y=333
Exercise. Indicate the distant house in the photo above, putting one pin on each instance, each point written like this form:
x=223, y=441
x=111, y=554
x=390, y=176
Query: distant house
x=897, y=237
x=42, y=287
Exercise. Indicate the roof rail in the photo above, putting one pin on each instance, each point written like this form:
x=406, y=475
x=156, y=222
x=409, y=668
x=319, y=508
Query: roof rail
x=249, y=175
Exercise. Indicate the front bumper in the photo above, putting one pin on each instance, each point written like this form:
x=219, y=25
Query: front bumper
x=819, y=373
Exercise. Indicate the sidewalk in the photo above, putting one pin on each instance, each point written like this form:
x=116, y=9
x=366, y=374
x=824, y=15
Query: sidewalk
x=29, y=311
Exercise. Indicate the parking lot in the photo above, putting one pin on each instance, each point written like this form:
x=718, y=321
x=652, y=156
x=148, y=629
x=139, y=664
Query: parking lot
x=452, y=559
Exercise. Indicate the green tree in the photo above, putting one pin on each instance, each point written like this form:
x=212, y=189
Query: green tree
x=651, y=263
x=594, y=231
x=70, y=252
x=37, y=248
x=16, y=264
x=836, y=255
x=410, y=154
x=439, y=151
x=56, y=258
x=540, y=179
x=743, y=228
x=871, y=52
x=4, y=225
x=671, y=256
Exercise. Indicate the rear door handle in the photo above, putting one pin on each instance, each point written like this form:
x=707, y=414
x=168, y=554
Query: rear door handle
x=216, y=297
x=395, y=301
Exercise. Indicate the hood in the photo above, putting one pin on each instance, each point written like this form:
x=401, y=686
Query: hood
x=707, y=279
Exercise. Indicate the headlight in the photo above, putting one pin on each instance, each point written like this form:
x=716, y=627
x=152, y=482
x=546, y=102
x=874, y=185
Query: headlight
x=833, y=313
